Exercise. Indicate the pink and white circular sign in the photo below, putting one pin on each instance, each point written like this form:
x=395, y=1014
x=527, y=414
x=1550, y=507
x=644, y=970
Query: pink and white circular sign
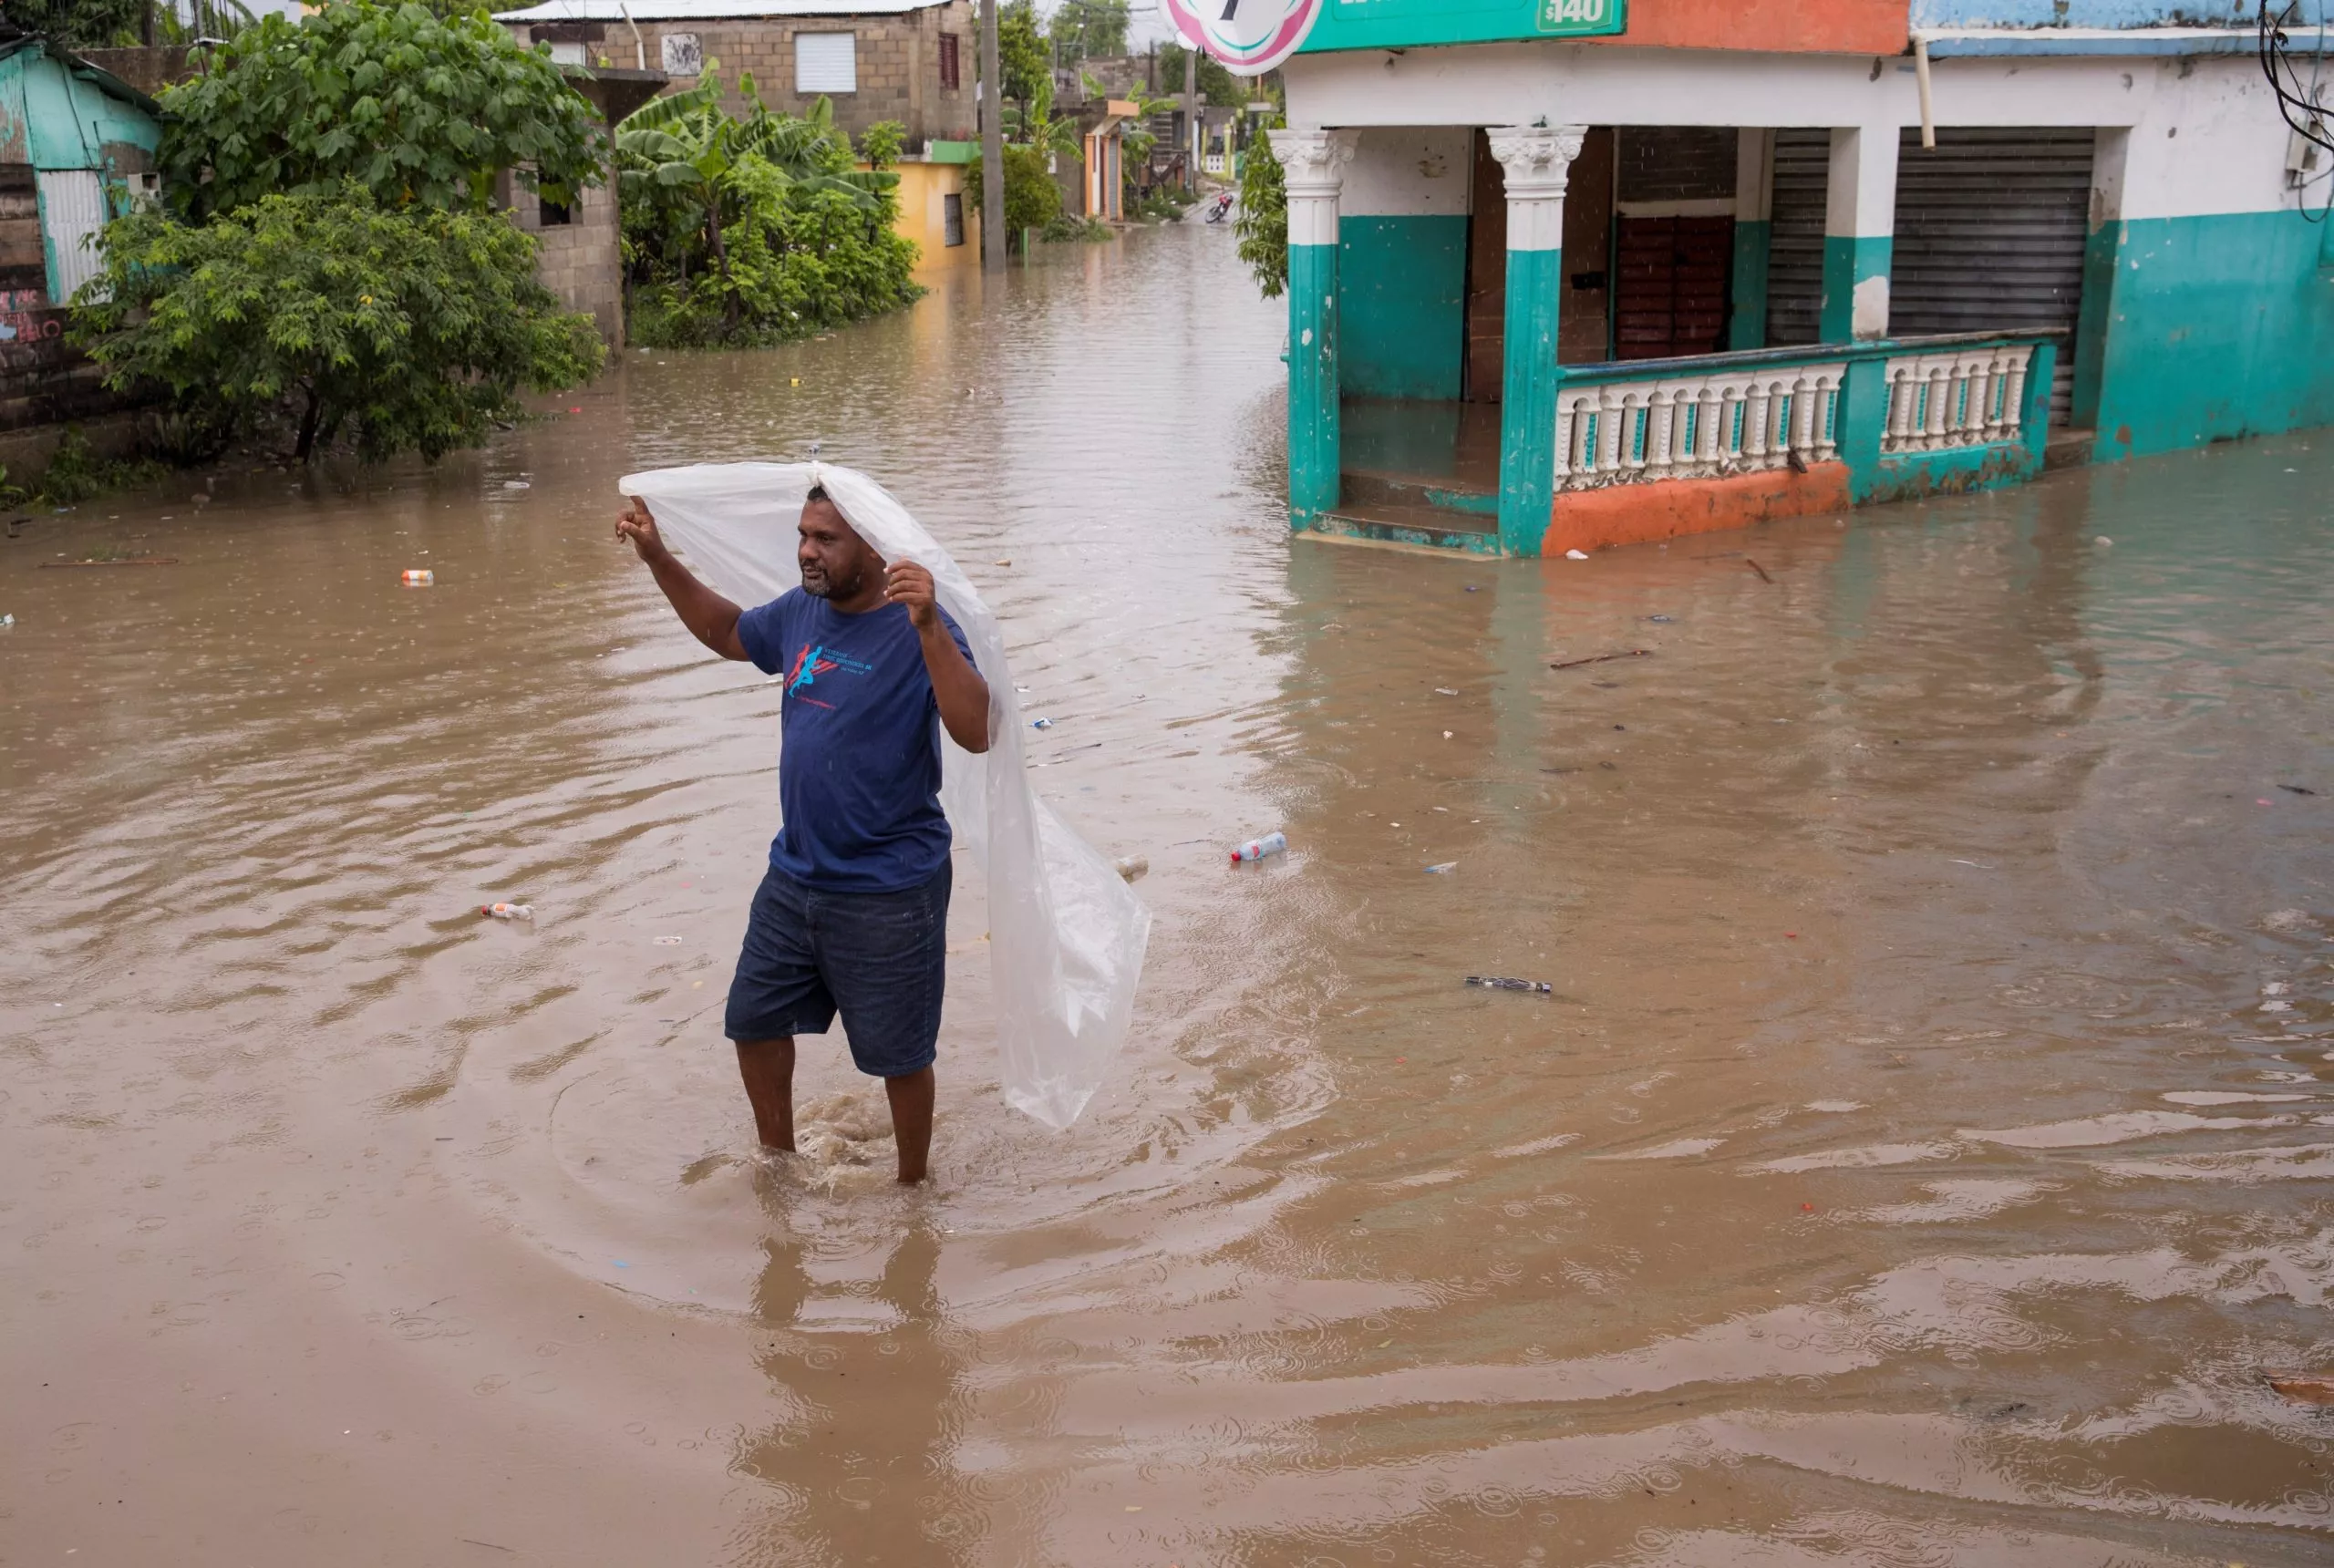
x=1249, y=37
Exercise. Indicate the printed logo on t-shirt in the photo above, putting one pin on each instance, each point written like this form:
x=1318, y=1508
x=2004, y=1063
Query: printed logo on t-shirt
x=816, y=660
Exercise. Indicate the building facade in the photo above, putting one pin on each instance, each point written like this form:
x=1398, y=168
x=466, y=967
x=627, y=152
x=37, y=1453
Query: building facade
x=76, y=148
x=1573, y=273
x=912, y=61
x=933, y=206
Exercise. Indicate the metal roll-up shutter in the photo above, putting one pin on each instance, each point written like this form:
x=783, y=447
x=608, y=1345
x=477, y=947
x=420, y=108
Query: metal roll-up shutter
x=825, y=63
x=1802, y=185
x=1990, y=225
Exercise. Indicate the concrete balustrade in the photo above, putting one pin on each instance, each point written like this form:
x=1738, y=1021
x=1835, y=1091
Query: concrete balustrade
x=1938, y=402
x=1706, y=425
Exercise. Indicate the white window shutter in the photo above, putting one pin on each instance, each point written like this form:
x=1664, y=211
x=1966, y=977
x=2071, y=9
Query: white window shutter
x=825, y=63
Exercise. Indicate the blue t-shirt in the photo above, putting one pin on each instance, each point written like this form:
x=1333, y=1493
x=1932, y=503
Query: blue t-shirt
x=859, y=772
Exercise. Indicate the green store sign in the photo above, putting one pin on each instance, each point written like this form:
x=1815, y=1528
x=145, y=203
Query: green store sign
x=1411, y=24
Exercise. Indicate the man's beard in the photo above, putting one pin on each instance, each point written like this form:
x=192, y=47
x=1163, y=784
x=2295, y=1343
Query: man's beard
x=826, y=587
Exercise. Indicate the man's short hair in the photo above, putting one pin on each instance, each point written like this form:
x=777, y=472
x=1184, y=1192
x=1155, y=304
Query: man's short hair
x=818, y=492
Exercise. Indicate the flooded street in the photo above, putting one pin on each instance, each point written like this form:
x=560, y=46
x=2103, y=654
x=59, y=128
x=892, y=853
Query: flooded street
x=1922, y=1157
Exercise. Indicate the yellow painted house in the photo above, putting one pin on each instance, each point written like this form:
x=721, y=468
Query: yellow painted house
x=935, y=210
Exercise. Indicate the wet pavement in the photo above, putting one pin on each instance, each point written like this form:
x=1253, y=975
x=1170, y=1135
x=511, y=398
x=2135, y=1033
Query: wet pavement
x=1922, y=1157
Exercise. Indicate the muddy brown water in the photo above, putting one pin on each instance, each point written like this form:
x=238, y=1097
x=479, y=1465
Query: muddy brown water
x=1923, y=1158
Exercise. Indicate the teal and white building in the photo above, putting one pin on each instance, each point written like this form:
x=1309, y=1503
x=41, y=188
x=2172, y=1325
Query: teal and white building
x=1565, y=273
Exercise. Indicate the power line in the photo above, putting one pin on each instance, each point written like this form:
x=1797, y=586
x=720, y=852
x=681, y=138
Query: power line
x=2299, y=105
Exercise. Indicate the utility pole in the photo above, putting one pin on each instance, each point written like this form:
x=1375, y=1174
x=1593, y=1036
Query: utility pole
x=992, y=145
x=1192, y=141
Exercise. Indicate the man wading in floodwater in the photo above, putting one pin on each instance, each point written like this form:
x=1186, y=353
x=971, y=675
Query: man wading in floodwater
x=853, y=912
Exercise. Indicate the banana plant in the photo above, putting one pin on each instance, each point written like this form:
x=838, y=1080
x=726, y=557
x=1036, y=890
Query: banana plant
x=683, y=157
x=1038, y=127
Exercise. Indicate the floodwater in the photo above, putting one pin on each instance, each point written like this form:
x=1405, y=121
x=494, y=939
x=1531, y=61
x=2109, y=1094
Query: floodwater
x=1922, y=1157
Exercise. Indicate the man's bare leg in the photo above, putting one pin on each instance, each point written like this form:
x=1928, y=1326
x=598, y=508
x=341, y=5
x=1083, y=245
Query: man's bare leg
x=911, y=1098
x=768, y=1067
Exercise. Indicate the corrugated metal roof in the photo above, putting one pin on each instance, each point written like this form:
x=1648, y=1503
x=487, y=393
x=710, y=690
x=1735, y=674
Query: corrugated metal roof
x=708, y=10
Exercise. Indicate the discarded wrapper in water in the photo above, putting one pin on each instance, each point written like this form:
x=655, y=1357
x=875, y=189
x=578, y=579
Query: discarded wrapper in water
x=419, y=579
x=1132, y=867
x=1041, y=724
x=1494, y=983
x=507, y=911
x=1444, y=870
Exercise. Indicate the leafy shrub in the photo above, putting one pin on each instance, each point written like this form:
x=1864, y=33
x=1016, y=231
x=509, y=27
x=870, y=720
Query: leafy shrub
x=415, y=106
x=1263, y=223
x=753, y=230
x=1032, y=200
x=1066, y=229
x=331, y=316
x=879, y=143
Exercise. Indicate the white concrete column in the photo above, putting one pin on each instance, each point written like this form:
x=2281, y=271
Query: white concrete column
x=1313, y=164
x=1538, y=161
x=1859, y=233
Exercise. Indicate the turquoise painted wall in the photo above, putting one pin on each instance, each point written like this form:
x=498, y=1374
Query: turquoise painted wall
x=1402, y=305
x=2216, y=328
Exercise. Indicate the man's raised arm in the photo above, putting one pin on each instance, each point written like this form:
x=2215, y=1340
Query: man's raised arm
x=956, y=685
x=711, y=619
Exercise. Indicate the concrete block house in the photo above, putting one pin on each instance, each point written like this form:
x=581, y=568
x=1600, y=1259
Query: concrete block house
x=1567, y=274
x=76, y=148
x=912, y=61
x=580, y=244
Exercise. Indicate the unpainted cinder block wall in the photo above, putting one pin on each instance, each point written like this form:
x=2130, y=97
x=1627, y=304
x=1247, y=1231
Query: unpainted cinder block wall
x=899, y=63
x=581, y=260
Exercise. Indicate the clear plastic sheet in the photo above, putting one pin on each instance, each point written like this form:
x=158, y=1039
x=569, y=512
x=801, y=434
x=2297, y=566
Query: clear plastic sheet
x=1066, y=933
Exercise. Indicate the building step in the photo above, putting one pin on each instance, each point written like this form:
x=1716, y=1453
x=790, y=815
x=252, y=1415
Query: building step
x=1427, y=527
x=1368, y=489
x=2068, y=448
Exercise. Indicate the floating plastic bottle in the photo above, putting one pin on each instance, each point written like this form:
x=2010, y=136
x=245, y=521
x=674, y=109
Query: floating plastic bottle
x=508, y=911
x=1257, y=849
x=1494, y=983
x=422, y=579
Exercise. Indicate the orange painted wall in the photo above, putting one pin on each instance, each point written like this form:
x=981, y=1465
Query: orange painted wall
x=1794, y=27
x=1638, y=515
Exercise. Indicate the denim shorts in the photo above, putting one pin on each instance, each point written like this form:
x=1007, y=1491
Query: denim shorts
x=882, y=958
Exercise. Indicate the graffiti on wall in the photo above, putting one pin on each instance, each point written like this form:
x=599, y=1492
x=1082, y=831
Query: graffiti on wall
x=25, y=316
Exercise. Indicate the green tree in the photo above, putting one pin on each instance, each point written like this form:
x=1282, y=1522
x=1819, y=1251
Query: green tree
x=1022, y=57
x=1217, y=85
x=1263, y=217
x=415, y=108
x=82, y=24
x=1032, y=200
x=1085, y=29
x=405, y=329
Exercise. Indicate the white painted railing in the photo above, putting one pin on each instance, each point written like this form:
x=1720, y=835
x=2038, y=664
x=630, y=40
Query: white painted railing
x=1969, y=398
x=1722, y=421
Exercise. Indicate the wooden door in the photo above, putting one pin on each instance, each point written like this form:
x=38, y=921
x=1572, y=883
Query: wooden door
x=1584, y=325
x=1486, y=363
x=1675, y=286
